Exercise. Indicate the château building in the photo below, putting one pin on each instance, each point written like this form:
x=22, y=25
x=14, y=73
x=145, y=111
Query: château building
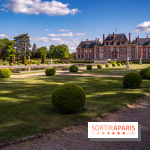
x=114, y=47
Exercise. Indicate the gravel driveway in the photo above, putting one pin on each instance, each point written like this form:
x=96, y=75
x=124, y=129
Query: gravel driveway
x=76, y=137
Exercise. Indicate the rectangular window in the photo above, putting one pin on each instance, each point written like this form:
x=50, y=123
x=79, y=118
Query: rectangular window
x=78, y=51
x=78, y=56
x=144, y=49
x=133, y=56
x=90, y=56
x=133, y=49
x=86, y=50
x=114, y=43
x=90, y=50
x=105, y=50
x=139, y=49
x=148, y=56
x=125, y=49
x=104, y=56
x=82, y=51
x=139, y=56
x=125, y=56
x=114, y=49
x=120, y=56
x=109, y=56
x=97, y=50
x=125, y=43
x=82, y=56
x=120, y=49
x=120, y=43
x=97, y=56
x=109, y=49
x=144, y=56
x=149, y=49
x=86, y=56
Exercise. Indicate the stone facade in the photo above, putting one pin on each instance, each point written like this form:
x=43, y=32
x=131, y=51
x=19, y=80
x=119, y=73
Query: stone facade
x=114, y=47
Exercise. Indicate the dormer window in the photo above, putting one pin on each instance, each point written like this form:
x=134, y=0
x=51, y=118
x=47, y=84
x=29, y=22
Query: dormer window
x=120, y=43
x=86, y=50
x=114, y=43
x=120, y=49
x=105, y=43
x=125, y=43
x=105, y=50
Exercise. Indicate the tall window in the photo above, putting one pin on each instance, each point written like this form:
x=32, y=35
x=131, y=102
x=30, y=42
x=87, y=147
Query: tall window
x=78, y=56
x=105, y=50
x=133, y=50
x=109, y=56
x=125, y=56
x=97, y=50
x=109, y=49
x=144, y=56
x=132, y=56
x=139, y=49
x=90, y=50
x=149, y=49
x=120, y=49
x=148, y=56
x=104, y=56
x=86, y=50
x=125, y=49
x=82, y=51
x=90, y=56
x=144, y=49
x=86, y=56
x=114, y=49
x=78, y=51
x=82, y=56
x=97, y=56
x=114, y=43
x=120, y=56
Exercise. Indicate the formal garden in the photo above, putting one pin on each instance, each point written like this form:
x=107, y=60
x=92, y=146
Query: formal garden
x=40, y=104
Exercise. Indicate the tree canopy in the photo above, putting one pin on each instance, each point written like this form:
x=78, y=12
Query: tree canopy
x=42, y=52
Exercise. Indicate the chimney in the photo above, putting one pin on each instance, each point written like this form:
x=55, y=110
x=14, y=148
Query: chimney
x=113, y=35
x=129, y=37
x=147, y=37
x=137, y=40
x=103, y=37
x=96, y=40
x=86, y=39
x=138, y=37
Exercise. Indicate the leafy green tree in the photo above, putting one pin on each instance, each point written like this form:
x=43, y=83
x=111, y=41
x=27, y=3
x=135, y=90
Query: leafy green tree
x=52, y=51
x=22, y=44
x=62, y=51
x=72, y=55
x=34, y=50
x=42, y=52
x=7, y=47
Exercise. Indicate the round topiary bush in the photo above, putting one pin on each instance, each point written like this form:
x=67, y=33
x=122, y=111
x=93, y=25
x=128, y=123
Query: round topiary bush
x=107, y=65
x=4, y=64
x=119, y=64
x=50, y=71
x=89, y=67
x=130, y=63
x=18, y=63
x=68, y=98
x=73, y=68
x=145, y=73
x=99, y=66
x=26, y=64
x=5, y=73
x=132, y=80
x=114, y=64
x=63, y=62
x=38, y=63
x=69, y=62
x=11, y=64
x=123, y=64
x=56, y=62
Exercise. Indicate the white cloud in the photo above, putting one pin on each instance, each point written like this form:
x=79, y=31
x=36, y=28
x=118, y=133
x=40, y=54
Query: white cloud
x=53, y=8
x=143, y=27
x=42, y=39
x=3, y=36
x=63, y=30
x=70, y=34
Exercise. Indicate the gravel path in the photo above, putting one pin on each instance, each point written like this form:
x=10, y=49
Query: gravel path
x=76, y=137
x=63, y=73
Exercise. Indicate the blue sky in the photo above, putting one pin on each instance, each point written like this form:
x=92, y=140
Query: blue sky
x=70, y=21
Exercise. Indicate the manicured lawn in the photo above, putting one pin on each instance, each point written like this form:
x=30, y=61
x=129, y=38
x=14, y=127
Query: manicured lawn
x=26, y=109
x=118, y=70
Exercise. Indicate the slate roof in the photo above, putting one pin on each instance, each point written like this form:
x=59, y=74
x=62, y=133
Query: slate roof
x=118, y=38
x=88, y=44
x=142, y=41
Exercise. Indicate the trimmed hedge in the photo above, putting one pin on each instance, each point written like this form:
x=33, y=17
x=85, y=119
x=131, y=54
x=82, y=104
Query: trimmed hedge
x=132, y=80
x=50, y=71
x=12, y=59
x=145, y=73
x=24, y=60
x=76, y=61
x=130, y=63
x=68, y=98
x=5, y=73
x=43, y=60
x=63, y=62
x=89, y=67
x=114, y=64
x=111, y=62
x=107, y=65
x=73, y=68
x=99, y=66
x=11, y=64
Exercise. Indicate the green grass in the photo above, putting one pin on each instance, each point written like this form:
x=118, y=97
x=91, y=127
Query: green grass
x=118, y=70
x=26, y=109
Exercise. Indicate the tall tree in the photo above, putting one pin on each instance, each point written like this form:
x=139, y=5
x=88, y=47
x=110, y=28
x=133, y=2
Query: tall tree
x=52, y=51
x=62, y=51
x=42, y=52
x=34, y=50
x=7, y=47
x=72, y=55
x=22, y=44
